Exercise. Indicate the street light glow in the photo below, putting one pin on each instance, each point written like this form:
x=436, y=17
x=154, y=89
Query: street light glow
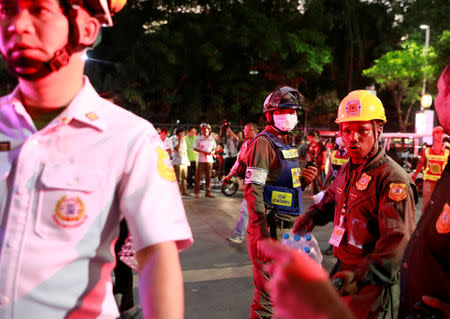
x=427, y=40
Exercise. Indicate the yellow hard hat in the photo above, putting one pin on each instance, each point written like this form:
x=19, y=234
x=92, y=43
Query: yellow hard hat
x=360, y=105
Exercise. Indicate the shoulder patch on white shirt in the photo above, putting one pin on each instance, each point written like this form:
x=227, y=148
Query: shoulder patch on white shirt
x=256, y=175
x=165, y=168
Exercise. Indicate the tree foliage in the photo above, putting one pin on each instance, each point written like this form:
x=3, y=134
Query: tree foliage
x=401, y=73
x=219, y=61
x=206, y=60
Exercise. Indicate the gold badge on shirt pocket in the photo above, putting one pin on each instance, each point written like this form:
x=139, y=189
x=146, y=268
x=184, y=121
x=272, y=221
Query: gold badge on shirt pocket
x=165, y=168
x=363, y=182
x=443, y=222
x=70, y=212
x=295, y=172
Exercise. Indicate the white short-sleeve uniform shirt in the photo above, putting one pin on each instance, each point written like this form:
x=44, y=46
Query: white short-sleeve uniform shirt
x=63, y=191
x=205, y=144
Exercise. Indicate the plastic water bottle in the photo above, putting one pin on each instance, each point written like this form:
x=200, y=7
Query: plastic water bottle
x=312, y=248
x=308, y=244
x=293, y=240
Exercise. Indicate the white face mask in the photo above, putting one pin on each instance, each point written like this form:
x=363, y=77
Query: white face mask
x=285, y=122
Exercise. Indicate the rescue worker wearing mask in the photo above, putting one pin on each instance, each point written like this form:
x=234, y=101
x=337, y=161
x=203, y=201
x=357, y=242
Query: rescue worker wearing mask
x=372, y=204
x=273, y=184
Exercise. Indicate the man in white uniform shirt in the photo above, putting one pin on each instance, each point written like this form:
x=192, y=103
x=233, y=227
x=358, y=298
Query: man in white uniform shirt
x=205, y=145
x=180, y=159
x=72, y=166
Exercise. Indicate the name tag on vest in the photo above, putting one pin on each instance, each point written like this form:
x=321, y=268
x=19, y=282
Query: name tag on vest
x=281, y=198
x=288, y=154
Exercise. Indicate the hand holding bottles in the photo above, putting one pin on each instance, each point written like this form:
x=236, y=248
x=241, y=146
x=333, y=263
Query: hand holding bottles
x=308, y=244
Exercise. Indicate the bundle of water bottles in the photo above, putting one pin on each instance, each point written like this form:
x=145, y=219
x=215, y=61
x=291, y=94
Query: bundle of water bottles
x=127, y=254
x=307, y=244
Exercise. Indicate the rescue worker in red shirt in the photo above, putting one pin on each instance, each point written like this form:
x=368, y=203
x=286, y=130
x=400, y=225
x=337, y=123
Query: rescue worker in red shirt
x=372, y=204
x=298, y=285
x=273, y=184
x=433, y=159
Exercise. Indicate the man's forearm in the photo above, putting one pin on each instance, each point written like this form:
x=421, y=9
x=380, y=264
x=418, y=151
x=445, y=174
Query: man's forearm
x=161, y=282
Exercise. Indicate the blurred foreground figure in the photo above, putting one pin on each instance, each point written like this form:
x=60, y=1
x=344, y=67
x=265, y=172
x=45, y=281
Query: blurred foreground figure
x=72, y=166
x=426, y=264
x=425, y=279
x=273, y=185
x=372, y=205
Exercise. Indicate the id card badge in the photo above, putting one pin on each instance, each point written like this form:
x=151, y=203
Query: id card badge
x=336, y=236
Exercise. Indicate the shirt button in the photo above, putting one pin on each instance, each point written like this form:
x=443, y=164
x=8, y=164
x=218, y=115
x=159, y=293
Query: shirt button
x=405, y=265
x=11, y=244
x=4, y=300
x=20, y=190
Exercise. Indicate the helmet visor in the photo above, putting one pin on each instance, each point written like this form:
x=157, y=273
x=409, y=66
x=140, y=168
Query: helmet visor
x=284, y=98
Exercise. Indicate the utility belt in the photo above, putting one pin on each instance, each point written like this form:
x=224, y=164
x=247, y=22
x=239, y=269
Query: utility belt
x=278, y=221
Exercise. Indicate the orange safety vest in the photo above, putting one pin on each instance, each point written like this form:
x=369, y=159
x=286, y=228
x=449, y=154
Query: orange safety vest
x=435, y=165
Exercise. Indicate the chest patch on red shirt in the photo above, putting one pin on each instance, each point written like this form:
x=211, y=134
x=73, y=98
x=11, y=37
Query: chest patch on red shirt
x=397, y=191
x=443, y=222
x=363, y=182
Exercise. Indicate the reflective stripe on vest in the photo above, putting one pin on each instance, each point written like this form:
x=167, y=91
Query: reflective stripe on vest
x=338, y=160
x=435, y=165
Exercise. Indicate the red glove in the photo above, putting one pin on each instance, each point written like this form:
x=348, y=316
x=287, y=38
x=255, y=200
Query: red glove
x=305, y=224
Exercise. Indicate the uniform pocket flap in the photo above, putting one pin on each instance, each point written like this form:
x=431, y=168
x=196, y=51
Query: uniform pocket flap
x=71, y=177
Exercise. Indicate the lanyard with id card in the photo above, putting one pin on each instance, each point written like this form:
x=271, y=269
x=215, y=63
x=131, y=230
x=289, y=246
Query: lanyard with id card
x=338, y=231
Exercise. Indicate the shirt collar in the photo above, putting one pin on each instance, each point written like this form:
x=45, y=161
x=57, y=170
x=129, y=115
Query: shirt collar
x=85, y=107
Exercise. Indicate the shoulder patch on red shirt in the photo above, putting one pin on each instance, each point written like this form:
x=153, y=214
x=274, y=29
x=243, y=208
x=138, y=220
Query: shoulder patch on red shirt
x=443, y=222
x=397, y=191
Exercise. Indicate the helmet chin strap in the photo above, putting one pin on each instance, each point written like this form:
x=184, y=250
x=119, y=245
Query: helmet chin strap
x=280, y=131
x=61, y=57
x=375, y=141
